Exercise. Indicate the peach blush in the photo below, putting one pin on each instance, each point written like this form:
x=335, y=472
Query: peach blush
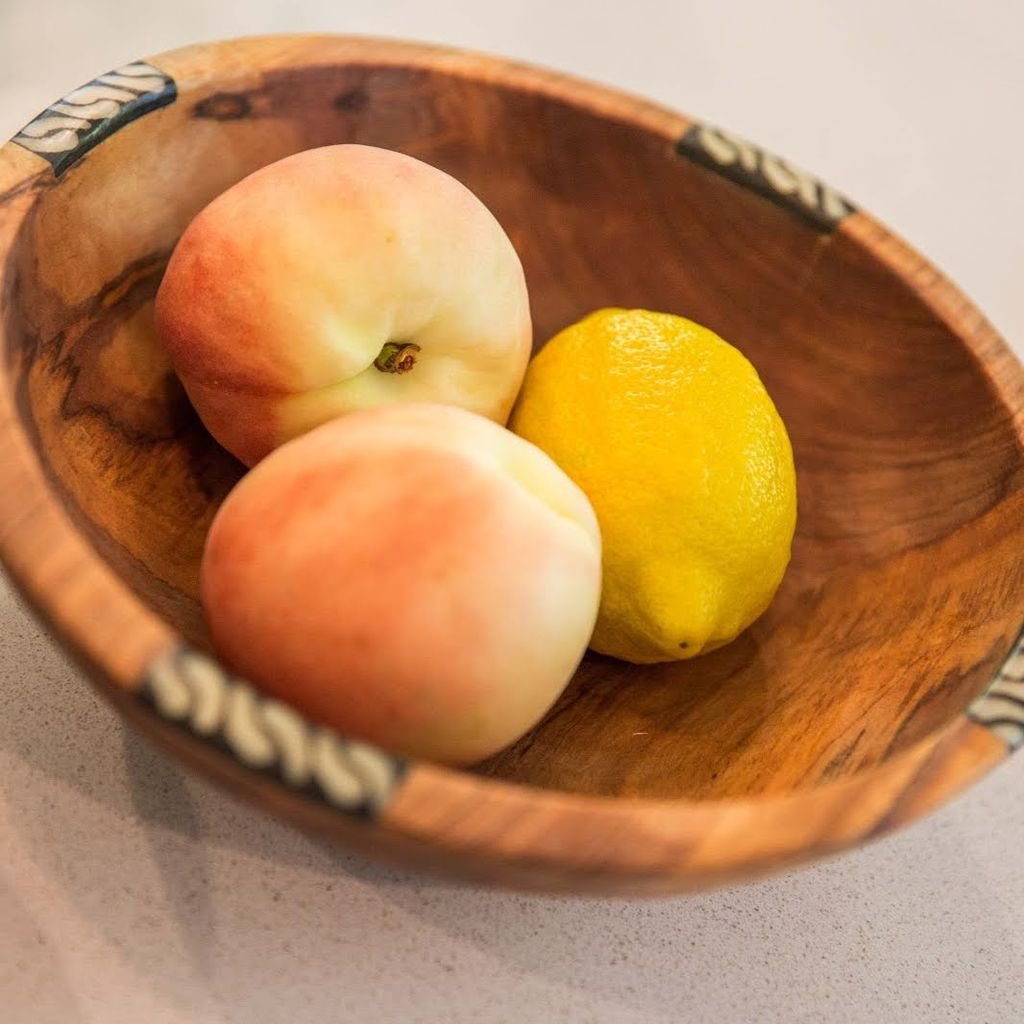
x=413, y=575
x=338, y=279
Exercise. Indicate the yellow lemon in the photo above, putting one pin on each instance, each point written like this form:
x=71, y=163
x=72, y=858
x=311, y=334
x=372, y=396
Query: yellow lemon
x=673, y=437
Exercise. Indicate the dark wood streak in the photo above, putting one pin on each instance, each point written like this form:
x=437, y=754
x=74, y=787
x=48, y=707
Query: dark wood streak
x=835, y=766
x=919, y=717
x=35, y=182
x=162, y=418
x=352, y=101
x=912, y=790
x=223, y=106
x=132, y=290
x=88, y=329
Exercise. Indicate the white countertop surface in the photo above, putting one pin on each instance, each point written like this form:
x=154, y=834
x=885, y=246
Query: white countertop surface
x=131, y=892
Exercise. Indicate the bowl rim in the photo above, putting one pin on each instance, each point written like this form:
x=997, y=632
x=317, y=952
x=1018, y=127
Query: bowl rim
x=417, y=813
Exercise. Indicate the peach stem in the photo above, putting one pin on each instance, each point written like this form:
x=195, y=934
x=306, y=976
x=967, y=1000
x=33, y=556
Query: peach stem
x=397, y=357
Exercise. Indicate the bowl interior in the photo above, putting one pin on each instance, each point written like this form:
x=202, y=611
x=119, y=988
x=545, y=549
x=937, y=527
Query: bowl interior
x=894, y=612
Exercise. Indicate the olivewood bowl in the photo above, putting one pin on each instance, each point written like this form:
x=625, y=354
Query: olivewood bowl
x=888, y=674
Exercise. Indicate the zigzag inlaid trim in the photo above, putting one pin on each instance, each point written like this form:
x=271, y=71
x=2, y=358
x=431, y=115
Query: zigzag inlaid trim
x=69, y=128
x=778, y=180
x=195, y=693
x=1001, y=706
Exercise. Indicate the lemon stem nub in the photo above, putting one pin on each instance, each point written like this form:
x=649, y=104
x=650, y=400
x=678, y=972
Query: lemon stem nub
x=397, y=357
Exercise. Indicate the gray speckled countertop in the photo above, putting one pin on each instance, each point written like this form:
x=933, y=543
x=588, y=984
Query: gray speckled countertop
x=131, y=892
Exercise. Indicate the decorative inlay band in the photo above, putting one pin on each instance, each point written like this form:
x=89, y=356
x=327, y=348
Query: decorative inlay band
x=1001, y=706
x=68, y=129
x=265, y=735
x=785, y=185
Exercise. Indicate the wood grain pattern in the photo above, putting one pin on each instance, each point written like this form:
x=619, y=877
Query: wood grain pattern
x=837, y=716
x=550, y=841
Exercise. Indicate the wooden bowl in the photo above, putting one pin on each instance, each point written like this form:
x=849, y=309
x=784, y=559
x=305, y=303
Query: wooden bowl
x=886, y=676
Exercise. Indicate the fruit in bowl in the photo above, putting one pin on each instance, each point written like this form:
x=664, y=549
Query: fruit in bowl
x=673, y=437
x=337, y=279
x=414, y=575
x=411, y=573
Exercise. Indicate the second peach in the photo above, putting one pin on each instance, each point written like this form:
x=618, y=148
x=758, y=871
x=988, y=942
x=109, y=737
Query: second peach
x=412, y=575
